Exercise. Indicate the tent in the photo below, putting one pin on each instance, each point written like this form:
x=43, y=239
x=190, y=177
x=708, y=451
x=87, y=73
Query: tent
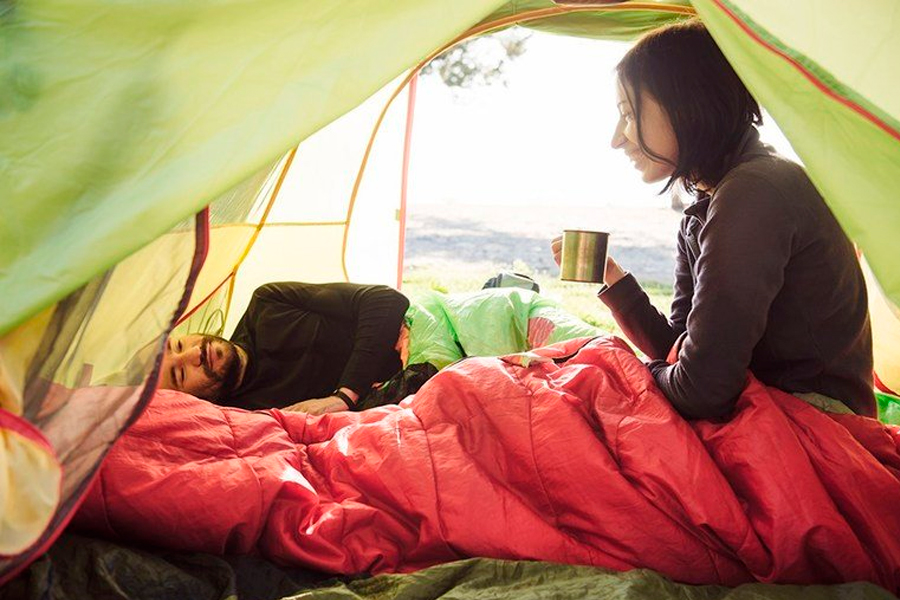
x=159, y=160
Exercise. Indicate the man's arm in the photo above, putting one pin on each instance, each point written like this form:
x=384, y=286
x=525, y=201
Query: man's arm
x=744, y=249
x=376, y=310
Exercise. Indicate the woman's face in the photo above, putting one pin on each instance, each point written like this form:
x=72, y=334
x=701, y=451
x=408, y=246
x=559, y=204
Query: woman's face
x=659, y=137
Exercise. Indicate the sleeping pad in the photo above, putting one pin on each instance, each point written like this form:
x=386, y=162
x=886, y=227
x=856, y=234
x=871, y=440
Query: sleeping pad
x=446, y=327
x=576, y=460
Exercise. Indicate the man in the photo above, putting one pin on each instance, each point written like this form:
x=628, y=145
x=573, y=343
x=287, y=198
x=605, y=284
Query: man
x=313, y=348
x=320, y=348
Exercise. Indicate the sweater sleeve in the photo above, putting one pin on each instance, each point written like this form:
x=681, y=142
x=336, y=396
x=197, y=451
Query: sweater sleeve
x=744, y=250
x=641, y=322
x=376, y=310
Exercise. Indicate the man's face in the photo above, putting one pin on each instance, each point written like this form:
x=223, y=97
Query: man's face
x=196, y=364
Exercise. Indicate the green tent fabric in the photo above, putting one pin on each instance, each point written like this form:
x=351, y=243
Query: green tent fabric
x=119, y=120
x=80, y=567
x=617, y=24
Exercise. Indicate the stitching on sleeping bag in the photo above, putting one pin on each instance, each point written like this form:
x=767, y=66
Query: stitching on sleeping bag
x=109, y=524
x=261, y=521
x=434, y=478
x=635, y=395
x=614, y=452
x=134, y=435
x=190, y=450
x=514, y=371
x=571, y=535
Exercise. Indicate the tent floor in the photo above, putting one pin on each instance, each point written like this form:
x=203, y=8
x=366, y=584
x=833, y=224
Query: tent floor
x=78, y=567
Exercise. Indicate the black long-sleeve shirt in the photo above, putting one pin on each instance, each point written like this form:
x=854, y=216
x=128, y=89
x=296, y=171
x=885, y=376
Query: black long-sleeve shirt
x=766, y=280
x=305, y=340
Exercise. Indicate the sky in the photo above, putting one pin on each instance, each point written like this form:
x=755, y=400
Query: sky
x=542, y=138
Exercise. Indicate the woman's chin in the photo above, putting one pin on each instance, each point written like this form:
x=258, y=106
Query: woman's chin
x=654, y=176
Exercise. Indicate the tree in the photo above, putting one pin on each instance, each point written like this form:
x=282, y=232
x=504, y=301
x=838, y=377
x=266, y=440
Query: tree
x=478, y=61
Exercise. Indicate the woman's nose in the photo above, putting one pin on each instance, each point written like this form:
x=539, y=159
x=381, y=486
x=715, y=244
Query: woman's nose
x=618, y=136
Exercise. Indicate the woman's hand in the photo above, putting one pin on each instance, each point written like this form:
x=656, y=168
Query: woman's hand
x=318, y=406
x=556, y=249
x=613, y=271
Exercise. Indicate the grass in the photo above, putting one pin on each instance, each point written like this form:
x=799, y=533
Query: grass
x=578, y=298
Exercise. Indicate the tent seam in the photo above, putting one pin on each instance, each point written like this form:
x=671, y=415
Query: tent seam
x=813, y=72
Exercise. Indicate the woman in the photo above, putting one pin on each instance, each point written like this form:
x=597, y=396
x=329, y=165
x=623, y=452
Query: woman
x=765, y=279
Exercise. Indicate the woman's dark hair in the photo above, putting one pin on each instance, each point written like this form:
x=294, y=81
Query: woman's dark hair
x=708, y=105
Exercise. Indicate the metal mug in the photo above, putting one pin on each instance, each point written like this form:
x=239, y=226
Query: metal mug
x=583, y=255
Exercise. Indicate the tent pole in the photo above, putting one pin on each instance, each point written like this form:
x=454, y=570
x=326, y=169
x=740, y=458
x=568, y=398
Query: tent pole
x=404, y=180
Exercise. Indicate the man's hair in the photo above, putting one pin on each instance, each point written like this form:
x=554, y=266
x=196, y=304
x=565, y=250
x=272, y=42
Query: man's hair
x=708, y=105
x=223, y=385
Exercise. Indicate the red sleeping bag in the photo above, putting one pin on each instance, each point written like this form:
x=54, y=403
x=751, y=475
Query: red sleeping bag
x=581, y=460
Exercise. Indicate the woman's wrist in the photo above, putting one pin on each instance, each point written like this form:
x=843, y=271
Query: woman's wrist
x=608, y=283
x=613, y=275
